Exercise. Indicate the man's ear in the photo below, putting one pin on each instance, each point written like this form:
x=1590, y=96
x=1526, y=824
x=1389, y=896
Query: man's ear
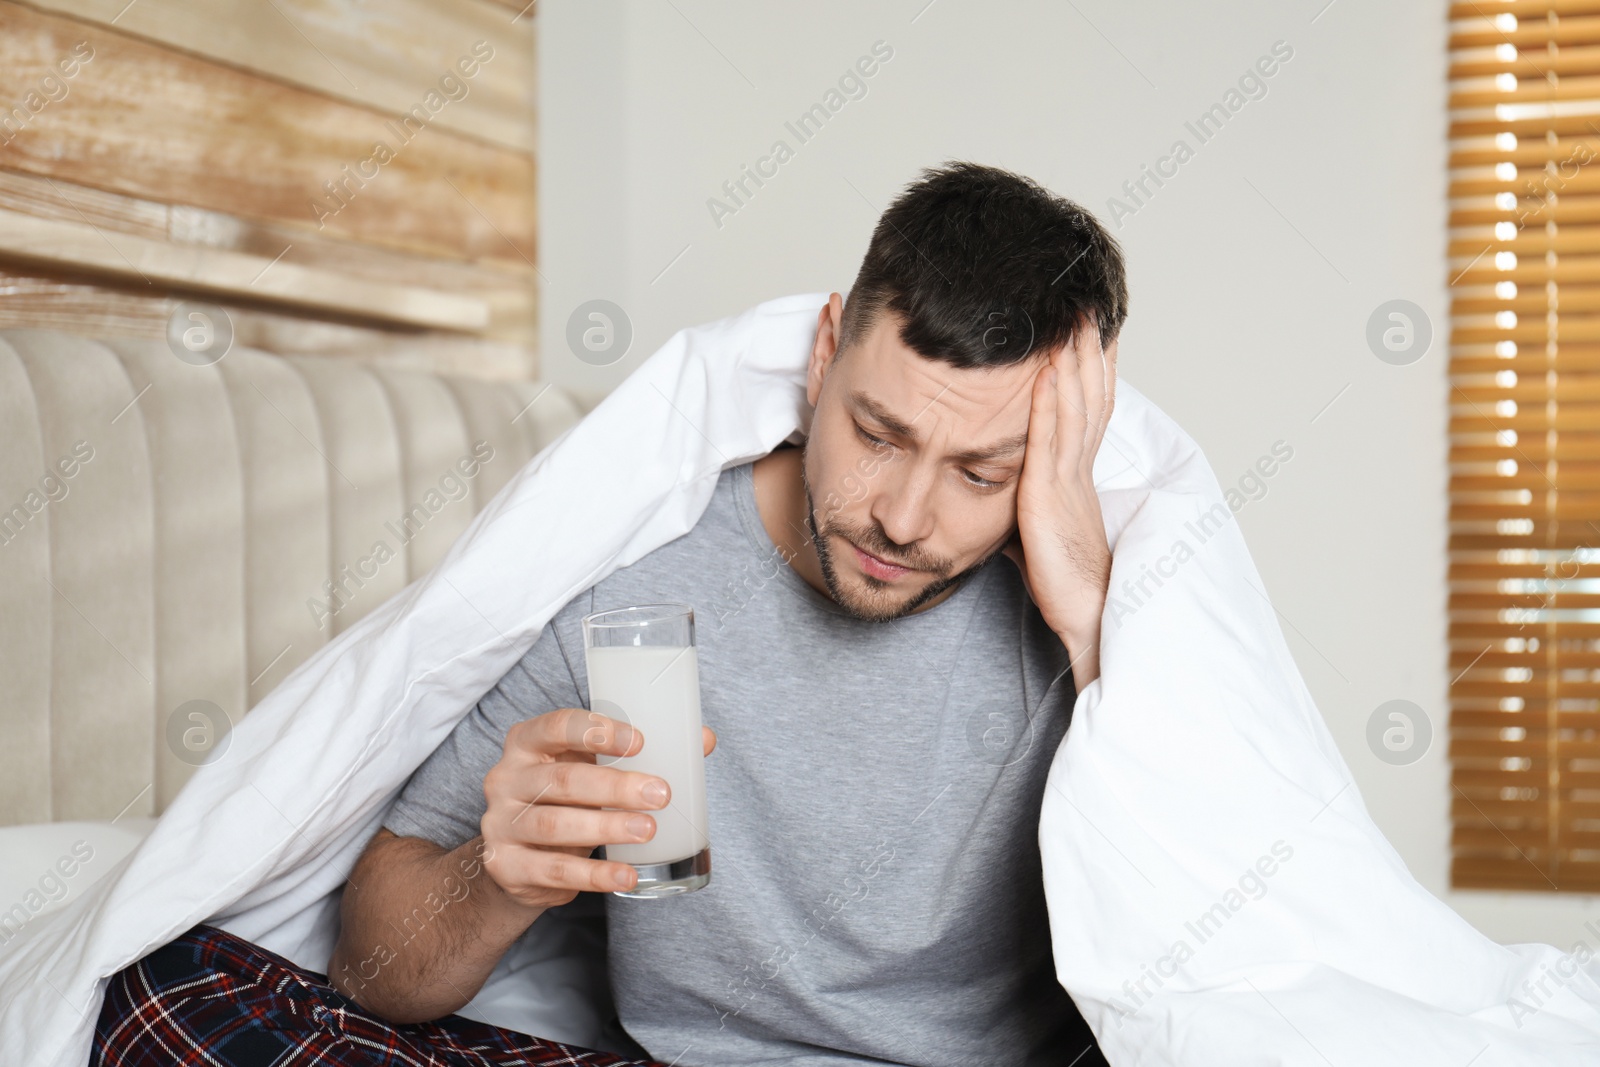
x=825, y=347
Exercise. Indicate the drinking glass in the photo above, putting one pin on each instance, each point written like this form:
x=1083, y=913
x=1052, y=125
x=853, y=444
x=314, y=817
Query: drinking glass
x=643, y=670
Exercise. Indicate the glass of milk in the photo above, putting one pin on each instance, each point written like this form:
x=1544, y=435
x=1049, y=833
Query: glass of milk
x=643, y=671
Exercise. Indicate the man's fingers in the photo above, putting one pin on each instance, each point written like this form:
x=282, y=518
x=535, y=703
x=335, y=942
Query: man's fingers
x=710, y=738
x=1093, y=381
x=1097, y=380
x=1110, y=373
x=1041, y=419
x=541, y=869
x=1072, y=419
x=578, y=783
x=554, y=826
x=576, y=730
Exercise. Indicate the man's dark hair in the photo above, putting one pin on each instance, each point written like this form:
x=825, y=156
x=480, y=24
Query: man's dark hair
x=986, y=268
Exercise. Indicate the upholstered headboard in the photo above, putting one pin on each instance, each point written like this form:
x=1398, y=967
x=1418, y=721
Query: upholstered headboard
x=175, y=539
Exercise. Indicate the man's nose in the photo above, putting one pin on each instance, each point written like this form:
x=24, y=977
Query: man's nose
x=903, y=507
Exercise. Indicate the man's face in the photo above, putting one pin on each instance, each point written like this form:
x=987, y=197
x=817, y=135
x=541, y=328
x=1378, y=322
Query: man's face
x=912, y=461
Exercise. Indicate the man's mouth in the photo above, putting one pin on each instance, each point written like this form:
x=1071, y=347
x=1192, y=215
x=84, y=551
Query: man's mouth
x=881, y=569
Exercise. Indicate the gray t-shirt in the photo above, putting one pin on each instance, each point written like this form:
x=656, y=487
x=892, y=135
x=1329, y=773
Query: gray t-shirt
x=873, y=806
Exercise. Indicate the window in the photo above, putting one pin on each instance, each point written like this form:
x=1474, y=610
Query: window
x=1525, y=444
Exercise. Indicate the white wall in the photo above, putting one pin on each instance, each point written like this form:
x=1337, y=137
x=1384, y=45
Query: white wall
x=1253, y=270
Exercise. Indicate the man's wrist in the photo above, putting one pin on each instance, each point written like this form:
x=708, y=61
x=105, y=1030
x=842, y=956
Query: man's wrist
x=1082, y=643
x=504, y=910
x=1080, y=632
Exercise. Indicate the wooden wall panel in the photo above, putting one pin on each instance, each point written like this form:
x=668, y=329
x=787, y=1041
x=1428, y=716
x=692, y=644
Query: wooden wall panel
x=148, y=122
x=176, y=150
x=194, y=245
x=194, y=235
x=91, y=308
x=218, y=273
x=381, y=55
x=54, y=198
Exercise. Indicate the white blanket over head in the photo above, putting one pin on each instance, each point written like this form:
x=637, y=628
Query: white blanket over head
x=1217, y=891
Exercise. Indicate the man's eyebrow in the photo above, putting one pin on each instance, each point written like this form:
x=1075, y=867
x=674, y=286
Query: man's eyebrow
x=1001, y=449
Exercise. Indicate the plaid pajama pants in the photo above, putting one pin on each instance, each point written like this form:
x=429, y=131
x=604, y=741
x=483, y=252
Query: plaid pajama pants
x=210, y=999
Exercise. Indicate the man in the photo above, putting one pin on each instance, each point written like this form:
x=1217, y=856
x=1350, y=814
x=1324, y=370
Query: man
x=888, y=695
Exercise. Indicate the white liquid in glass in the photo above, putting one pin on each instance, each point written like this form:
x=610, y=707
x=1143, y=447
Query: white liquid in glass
x=658, y=691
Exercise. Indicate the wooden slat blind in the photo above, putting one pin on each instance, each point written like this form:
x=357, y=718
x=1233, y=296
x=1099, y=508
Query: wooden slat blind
x=1525, y=444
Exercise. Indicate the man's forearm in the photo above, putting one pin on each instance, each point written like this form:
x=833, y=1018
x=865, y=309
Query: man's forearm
x=422, y=929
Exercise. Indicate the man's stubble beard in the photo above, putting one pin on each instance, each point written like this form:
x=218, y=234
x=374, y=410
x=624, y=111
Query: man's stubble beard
x=875, y=541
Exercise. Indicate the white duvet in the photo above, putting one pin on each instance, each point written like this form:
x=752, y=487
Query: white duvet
x=1218, y=894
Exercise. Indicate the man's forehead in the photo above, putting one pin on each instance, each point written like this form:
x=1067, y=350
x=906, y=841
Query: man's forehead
x=975, y=410
x=905, y=382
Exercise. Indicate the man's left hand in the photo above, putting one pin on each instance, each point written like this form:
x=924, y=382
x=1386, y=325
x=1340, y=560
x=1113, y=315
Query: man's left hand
x=1060, y=545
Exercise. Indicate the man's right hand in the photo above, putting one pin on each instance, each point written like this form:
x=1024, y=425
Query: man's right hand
x=413, y=946
x=545, y=800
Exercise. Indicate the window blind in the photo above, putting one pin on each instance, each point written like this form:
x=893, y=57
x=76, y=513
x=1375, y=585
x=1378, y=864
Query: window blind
x=1524, y=569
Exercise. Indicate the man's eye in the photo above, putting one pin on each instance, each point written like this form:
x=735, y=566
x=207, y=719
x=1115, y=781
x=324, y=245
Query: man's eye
x=977, y=482
x=875, y=442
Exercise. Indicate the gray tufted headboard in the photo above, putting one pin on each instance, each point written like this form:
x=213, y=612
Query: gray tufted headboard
x=175, y=539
